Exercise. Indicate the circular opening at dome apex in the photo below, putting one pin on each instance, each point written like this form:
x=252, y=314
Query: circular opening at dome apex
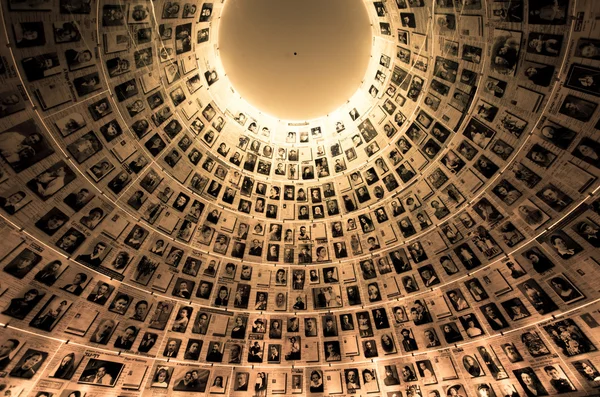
x=259, y=43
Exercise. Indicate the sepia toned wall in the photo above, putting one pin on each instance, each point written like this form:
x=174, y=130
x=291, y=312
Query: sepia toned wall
x=435, y=235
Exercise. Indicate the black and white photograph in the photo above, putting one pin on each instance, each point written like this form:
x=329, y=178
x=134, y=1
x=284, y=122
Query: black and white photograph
x=101, y=372
x=29, y=364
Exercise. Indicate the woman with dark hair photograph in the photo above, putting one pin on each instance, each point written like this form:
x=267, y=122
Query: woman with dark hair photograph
x=66, y=368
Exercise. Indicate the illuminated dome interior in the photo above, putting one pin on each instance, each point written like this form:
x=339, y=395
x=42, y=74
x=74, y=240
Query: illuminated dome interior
x=406, y=206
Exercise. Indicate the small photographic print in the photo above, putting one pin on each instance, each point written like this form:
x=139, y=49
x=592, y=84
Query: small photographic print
x=11, y=102
x=87, y=84
x=41, y=66
x=584, y=79
x=29, y=364
x=101, y=372
x=85, y=147
x=52, y=180
x=71, y=123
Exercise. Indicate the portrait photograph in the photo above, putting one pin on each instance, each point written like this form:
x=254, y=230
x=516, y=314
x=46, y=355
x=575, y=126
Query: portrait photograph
x=588, y=150
x=29, y=364
x=67, y=32
x=565, y=289
x=563, y=244
x=51, y=313
x=101, y=373
x=66, y=367
x=24, y=302
x=11, y=102
x=85, y=147
x=70, y=123
x=22, y=264
x=569, y=337
x=505, y=51
x=41, y=66
x=190, y=379
x=87, y=84
x=24, y=145
x=578, y=108
x=537, y=296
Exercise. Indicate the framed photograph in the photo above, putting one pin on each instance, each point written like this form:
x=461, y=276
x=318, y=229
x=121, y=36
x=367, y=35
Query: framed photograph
x=516, y=309
x=20, y=306
x=70, y=123
x=538, y=73
x=116, y=42
x=533, y=216
x=79, y=58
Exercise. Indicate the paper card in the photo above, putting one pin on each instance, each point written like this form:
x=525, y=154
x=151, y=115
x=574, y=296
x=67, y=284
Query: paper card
x=333, y=382
x=578, y=178
x=433, y=242
x=423, y=189
x=470, y=25
x=377, y=115
x=348, y=274
x=114, y=225
x=123, y=150
x=134, y=376
x=228, y=222
x=219, y=325
x=149, y=82
x=82, y=321
x=390, y=285
x=445, y=368
x=51, y=95
x=162, y=280
x=452, y=117
x=116, y=41
x=287, y=212
x=319, y=231
x=527, y=100
x=181, y=171
x=496, y=283
x=350, y=346
x=310, y=351
x=263, y=278
x=471, y=181
x=439, y=307
x=188, y=64
x=168, y=222
x=305, y=154
x=278, y=382
x=388, y=234
x=418, y=161
x=189, y=109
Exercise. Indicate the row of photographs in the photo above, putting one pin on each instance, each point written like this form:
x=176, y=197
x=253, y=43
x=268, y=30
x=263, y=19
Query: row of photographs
x=487, y=362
